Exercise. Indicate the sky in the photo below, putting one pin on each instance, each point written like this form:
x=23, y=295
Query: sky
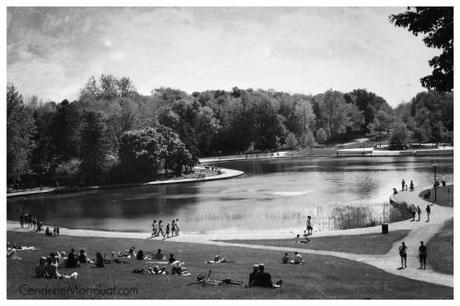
x=52, y=52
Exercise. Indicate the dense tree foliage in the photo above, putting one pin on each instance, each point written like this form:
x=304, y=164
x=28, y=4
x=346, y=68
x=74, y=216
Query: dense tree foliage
x=437, y=24
x=113, y=134
x=429, y=116
x=20, y=130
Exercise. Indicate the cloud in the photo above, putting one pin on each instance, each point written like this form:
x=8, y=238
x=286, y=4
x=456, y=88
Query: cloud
x=53, y=51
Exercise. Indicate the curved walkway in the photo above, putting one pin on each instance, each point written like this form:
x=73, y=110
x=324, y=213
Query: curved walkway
x=419, y=231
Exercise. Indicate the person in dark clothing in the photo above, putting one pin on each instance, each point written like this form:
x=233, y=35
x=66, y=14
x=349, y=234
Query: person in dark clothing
x=422, y=252
x=171, y=258
x=428, y=212
x=83, y=258
x=411, y=185
x=403, y=183
x=403, y=255
x=252, y=276
x=71, y=261
x=99, y=260
x=263, y=279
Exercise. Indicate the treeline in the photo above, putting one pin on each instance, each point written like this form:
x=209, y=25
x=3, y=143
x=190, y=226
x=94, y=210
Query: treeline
x=114, y=134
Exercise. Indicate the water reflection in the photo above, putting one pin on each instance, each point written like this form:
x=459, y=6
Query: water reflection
x=272, y=194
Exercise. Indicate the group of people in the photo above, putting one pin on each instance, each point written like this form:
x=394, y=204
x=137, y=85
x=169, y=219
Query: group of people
x=30, y=221
x=298, y=260
x=416, y=210
x=404, y=186
x=422, y=254
x=47, y=267
x=158, y=230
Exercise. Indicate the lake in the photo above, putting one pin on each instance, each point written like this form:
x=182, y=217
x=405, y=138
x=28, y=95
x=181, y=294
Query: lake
x=273, y=194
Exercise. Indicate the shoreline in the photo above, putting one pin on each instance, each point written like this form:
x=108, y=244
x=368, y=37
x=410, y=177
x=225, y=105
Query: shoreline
x=195, y=237
x=226, y=174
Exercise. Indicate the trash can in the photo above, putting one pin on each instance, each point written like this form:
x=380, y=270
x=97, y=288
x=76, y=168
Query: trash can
x=385, y=228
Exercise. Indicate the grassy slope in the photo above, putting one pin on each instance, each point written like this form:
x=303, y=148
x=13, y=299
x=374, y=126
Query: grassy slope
x=441, y=247
x=444, y=196
x=321, y=277
x=374, y=244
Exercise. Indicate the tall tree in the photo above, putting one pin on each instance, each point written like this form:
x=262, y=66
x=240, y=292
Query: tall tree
x=94, y=148
x=20, y=130
x=437, y=24
x=65, y=131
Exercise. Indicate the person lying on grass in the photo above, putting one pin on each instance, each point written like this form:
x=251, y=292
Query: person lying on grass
x=218, y=259
x=156, y=270
x=11, y=254
x=259, y=278
x=304, y=239
x=206, y=280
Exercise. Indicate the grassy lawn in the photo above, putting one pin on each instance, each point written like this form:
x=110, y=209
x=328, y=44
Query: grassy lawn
x=322, y=277
x=373, y=244
x=444, y=196
x=441, y=247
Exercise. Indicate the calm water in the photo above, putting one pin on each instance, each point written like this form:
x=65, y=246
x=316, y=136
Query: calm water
x=272, y=194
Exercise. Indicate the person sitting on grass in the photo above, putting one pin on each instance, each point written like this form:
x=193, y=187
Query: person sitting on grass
x=298, y=260
x=82, y=257
x=171, y=258
x=40, y=267
x=264, y=279
x=177, y=268
x=140, y=255
x=52, y=272
x=72, y=261
x=285, y=258
x=99, y=262
x=48, y=232
x=252, y=275
x=159, y=255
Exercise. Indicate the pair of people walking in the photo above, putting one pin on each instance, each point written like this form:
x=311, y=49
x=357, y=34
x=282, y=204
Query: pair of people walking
x=422, y=253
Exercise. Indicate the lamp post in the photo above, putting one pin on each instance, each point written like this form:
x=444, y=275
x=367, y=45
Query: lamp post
x=434, y=184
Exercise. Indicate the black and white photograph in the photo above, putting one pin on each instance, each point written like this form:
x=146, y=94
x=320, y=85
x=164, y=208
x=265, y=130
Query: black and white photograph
x=193, y=151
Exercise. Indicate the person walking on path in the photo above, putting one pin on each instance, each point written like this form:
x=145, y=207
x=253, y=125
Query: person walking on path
x=309, y=226
x=160, y=229
x=419, y=211
x=411, y=185
x=422, y=255
x=403, y=183
x=177, y=227
x=403, y=255
x=413, y=211
x=428, y=212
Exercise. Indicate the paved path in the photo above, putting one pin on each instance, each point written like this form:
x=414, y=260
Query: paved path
x=419, y=231
x=390, y=262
